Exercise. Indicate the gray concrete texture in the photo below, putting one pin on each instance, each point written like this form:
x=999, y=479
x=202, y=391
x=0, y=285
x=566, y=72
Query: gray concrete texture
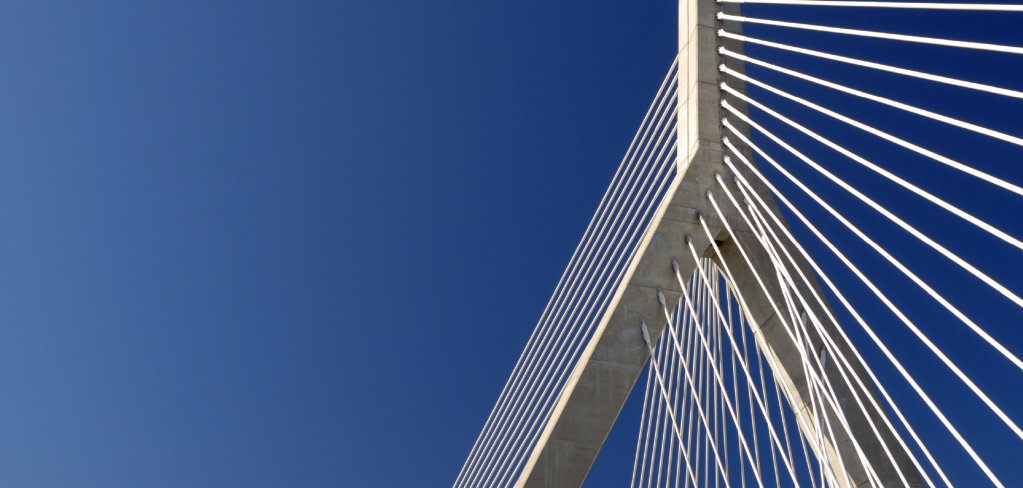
x=615, y=356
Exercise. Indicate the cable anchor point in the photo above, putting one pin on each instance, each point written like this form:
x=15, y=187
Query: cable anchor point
x=646, y=333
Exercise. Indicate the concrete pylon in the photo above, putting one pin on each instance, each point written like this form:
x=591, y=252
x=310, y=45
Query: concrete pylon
x=615, y=356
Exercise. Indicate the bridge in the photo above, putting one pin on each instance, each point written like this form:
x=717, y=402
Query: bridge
x=753, y=359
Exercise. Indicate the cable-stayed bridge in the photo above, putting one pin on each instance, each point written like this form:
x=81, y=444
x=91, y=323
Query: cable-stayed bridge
x=761, y=370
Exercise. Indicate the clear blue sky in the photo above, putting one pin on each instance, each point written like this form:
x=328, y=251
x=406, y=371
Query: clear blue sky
x=255, y=244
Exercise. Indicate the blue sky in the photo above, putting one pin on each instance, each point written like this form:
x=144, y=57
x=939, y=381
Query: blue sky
x=302, y=243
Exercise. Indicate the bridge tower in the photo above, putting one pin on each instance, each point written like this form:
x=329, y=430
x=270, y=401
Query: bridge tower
x=616, y=354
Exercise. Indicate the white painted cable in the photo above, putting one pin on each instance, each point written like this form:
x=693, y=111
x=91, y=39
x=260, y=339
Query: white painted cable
x=998, y=411
x=756, y=394
x=878, y=66
x=818, y=391
x=927, y=240
x=909, y=5
x=777, y=312
x=512, y=432
x=886, y=101
x=1002, y=349
x=639, y=438
x=664, y=394
x=602, y=209
x=878, y=35
x=680, y=392
x=884, y=135
x=703, y=416
x=823, y=334
x=661, y=422
x=820, y=328
x=766, y=407
x=569, y=272
x=891, y=357
x=676, y=372
x=628, y=198
x=693, y=357
x=681, y=323
x=720, y=383
x=990, y=340
x=653, y=425
x=790, y=289
x=794, y=336
x=562, y=365
x=673, y=397
x=650, y=205
x=820, y=272
x=749, y=395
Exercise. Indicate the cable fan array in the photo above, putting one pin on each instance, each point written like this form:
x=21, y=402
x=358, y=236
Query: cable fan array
x=703, y=422
x=581, y=296
x=713, y=413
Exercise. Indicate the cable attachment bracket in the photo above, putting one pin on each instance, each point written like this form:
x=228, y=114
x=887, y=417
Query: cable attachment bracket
x=674, y=265
x=646, y=332
x=660, y=298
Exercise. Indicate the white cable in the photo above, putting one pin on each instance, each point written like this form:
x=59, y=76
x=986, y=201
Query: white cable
x=790, y=289
x=510, y=434
x=909, y=5
x=812, y=389
x=1012, y=425
x=990, y=340
x=818, y=391
x=720, y=382
x=692, y=356
x=703, y=416
x=913, y=188
x=772, y=435
x=639, y=439
x=967, y=266
x=615, y=197
x=822, y=333
x=743, y=252
x=603, y=244
x=813, y=382
x=661, y=424
x=676, y=374
x=870, y=332
x=635, y=232
x=884, y=135
x=717, y=307
x=671, y=381
x=891, y=103
x=819, y=326
x=579, y=343
x=749, y=378
x=878, y=66
x=752, y=414
x=569, y=272
x=879, y=35
x=664, y=394
x=820, y=272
